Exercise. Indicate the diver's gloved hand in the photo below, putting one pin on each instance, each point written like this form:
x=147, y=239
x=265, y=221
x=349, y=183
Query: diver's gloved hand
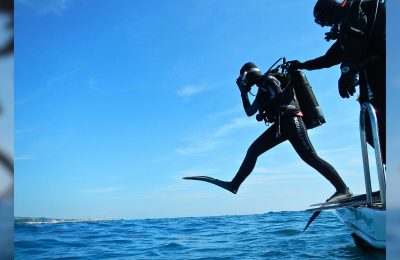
x=260, y=117
x=347, y=82
x=333, y=34
x=244, y=89
x=295, y=65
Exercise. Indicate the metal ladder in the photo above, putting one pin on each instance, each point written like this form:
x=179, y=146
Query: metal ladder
x=368, y=109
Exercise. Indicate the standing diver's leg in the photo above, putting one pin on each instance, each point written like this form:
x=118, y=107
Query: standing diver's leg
x=375, y=83
x=298, y=137
x=262, y=144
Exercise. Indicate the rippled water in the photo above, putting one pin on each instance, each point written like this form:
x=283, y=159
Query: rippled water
x=275, y=235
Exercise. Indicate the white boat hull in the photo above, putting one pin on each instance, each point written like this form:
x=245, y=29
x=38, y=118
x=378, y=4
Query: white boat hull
x=369, y=224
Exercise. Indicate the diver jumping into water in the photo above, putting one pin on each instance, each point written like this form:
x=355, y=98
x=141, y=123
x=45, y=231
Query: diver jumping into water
x=279, y=106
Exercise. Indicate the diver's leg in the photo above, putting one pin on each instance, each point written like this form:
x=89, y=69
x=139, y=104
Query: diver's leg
x=381, y=118
x=375, y=77
x=302, y=144
x=262, y=144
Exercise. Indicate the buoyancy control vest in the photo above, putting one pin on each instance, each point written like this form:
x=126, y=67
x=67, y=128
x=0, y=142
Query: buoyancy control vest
x=274, y=99
x=298, y=96
x=304, y=97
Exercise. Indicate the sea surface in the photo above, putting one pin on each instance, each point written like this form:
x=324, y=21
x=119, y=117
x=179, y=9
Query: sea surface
x=274, y=235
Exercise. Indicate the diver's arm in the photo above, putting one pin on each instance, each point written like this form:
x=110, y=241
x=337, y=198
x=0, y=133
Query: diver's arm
x=332, y=57
x=250, y=108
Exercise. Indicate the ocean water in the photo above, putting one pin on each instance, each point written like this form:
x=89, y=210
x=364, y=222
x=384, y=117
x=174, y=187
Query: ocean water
x=274, y=235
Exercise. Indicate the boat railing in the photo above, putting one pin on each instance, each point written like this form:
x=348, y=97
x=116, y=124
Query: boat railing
x=368, y=111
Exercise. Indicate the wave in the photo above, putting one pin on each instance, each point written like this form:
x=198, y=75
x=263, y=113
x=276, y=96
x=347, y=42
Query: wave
x=273, y=235
x=43, y=220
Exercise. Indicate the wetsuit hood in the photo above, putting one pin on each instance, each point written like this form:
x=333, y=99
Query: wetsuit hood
x=250, y=74
x=328, y=12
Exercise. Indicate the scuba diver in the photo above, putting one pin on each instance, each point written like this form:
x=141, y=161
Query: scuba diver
x=278, y=105
x=359, y=28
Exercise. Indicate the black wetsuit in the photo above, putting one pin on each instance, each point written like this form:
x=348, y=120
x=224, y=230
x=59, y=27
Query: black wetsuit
x=361, y=46
x=282, y=108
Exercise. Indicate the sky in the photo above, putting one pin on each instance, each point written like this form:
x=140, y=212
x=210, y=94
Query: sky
x=393, y=129
x=115, y=103
x=393, y=94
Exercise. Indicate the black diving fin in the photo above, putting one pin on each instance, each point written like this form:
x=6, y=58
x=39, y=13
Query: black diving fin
x=312, y=218
x=223, y=184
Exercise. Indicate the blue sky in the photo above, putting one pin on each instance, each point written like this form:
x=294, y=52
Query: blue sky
x=393, y=94
x=114, y=104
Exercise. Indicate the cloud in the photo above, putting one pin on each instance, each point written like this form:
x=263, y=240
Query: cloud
x=340, y=150
x=190, y=90
x=198, y=147
x=237, y=110
x=27, y=130
x=287, y=168
x=214, y=140
x=92, y=84
x=44, y=7
x=235, y=124
x=24, y=158
x=261, y=180
x=102, y=190
x=52, y=84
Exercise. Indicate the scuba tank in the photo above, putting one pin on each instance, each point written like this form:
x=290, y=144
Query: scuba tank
x=313, y=115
